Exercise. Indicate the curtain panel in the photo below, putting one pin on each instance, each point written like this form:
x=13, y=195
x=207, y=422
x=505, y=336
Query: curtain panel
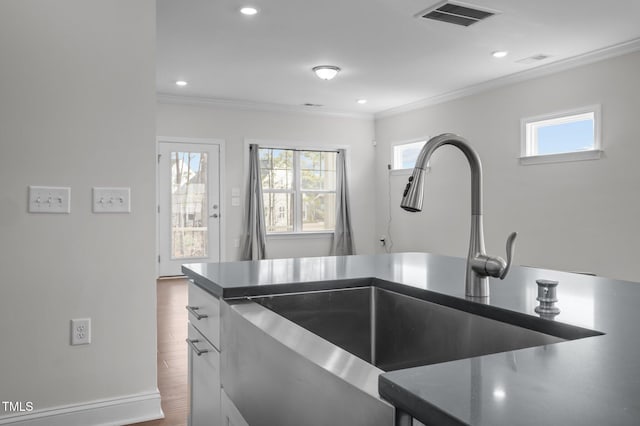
x=254, y=245
x=343, y=235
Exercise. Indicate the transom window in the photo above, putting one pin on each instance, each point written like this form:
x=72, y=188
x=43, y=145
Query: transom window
x=299, y=190
x=566, y=136
x=406, y=154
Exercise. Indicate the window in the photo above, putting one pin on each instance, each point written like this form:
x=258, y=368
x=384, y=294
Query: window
x=299, y=190
x=567, y=136
x=405, y=154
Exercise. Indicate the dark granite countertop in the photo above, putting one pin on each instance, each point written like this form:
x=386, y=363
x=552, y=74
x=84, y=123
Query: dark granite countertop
x=590, y=381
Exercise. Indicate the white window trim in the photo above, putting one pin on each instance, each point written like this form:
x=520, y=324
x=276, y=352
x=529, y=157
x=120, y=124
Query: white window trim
x=592, y=154
x=300, y=146
x=297, y=235
x=404, y=172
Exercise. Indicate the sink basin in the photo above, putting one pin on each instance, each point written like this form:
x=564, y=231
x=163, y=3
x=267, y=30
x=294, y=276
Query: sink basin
x=393, y=331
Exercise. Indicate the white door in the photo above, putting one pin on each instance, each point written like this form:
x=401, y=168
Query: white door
x=188, y=205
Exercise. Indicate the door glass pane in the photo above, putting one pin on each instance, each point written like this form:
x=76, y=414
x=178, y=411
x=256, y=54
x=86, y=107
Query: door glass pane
x=189, y=212
x=278, y=212
x=318, y=211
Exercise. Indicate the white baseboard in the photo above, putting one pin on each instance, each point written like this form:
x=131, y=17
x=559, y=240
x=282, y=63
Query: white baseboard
x=106, y=412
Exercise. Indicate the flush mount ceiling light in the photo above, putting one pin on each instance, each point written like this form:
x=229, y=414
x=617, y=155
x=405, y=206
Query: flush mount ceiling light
x=181, y=83
x=362, y=101
x=499, y=53
x=248, y=10
x=326, y=72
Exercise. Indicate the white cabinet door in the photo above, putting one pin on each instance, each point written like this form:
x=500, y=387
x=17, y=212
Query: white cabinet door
x=230, y=414
x=204, y=381
x=204, y=313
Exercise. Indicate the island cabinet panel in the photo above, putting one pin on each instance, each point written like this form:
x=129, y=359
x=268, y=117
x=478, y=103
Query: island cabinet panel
x=204, y=358
x=230, y=414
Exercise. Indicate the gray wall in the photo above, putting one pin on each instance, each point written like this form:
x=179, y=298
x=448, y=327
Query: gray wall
x=236, y=125
x=580, y=216
x=77, y=108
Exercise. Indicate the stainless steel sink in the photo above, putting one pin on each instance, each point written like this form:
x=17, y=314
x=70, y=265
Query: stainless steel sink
x=394, y=331
x=317, y=356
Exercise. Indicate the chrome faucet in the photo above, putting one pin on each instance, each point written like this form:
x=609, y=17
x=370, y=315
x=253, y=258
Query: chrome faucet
x=480, y=266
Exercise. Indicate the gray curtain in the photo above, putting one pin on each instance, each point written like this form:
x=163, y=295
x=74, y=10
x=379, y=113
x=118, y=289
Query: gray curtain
x=253, y=247
x=343, y=235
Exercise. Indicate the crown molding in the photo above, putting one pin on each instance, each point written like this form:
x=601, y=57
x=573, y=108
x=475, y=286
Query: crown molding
x=167, y=98
x=540, y=71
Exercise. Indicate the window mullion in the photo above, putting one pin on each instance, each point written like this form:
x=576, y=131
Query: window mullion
x=297, y=193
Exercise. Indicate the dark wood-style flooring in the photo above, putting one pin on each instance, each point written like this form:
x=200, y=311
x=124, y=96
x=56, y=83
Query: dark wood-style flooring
x=172, y=353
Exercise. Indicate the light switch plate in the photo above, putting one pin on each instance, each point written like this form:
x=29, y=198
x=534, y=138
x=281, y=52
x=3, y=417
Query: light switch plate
x=235, y=201
x=111, y=200
x=49, y=199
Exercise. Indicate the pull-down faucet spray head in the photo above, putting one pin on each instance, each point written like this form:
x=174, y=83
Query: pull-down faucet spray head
x=414, y=191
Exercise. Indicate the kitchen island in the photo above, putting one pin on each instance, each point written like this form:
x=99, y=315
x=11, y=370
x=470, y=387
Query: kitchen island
x=588, y=381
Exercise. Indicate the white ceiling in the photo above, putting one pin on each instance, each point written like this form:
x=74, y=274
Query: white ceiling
x=387, y=56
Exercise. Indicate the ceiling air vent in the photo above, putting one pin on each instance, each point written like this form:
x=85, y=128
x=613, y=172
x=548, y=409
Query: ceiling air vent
x=456, y=13
x=534, y=58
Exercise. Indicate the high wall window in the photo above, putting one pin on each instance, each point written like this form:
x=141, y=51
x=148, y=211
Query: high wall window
x=405, y=154
x=299, y=189
x=565, y=136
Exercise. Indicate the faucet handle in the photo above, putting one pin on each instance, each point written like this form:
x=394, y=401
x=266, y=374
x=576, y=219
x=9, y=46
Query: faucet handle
x=510, y=242
x=494, y=266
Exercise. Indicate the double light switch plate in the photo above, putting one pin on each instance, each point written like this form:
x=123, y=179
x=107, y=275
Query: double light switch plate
x=54, y=199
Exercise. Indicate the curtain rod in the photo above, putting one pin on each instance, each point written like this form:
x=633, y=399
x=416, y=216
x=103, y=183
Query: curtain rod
x=300, y=150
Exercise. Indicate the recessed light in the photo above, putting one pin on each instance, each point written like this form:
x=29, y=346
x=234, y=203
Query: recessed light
x=362, y=101
x=499, y=53
x=248, y=10
x=326, y=72
x=181, y=83
x=499, y=394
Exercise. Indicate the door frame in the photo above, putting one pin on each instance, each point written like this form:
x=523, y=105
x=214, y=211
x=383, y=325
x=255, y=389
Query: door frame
x=221, y=190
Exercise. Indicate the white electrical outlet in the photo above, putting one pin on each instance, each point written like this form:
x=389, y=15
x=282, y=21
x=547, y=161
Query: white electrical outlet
x=49, y=199
x=81, y=331
x=111, y=200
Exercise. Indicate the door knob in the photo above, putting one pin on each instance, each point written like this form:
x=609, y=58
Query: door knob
x=215, y=215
